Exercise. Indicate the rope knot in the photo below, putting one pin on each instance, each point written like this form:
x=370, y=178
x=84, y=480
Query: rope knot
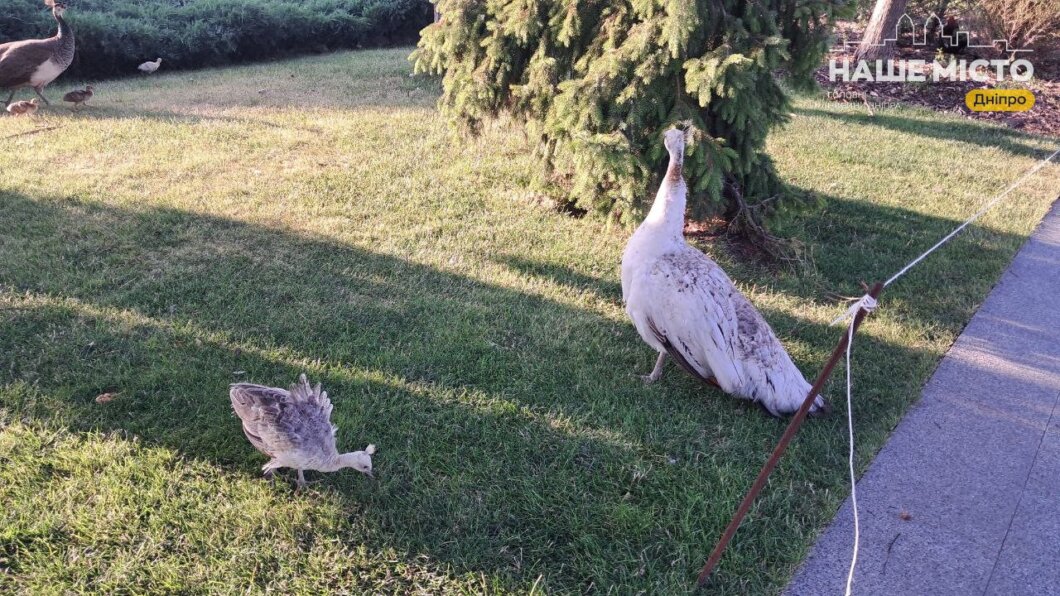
x=866, y=303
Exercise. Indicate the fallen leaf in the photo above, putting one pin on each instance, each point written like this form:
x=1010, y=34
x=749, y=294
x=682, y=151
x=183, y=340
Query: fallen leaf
x=103, y=398
x=905, y=516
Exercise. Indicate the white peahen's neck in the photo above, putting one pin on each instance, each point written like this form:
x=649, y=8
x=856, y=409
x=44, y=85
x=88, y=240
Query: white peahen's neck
x=667, y=215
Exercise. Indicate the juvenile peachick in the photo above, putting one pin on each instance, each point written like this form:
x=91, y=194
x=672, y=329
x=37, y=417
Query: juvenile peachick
x=293, y=427
x=684, y=305
x=23, y=108
x=79, y=96
x=37, y=62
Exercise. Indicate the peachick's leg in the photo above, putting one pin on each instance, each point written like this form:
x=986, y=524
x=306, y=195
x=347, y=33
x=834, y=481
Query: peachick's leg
x=41, y=95
x=10, y=97
x=656, y=373
x=269, y=470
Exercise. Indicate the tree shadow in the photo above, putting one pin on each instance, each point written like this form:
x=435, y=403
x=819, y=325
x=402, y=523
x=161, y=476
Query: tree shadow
x=861, y=242
x=854, y=242
x=606, y=287
x=1009, y=140
x=514, y=440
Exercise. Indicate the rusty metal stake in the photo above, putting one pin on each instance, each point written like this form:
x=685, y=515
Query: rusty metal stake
x=782, y=445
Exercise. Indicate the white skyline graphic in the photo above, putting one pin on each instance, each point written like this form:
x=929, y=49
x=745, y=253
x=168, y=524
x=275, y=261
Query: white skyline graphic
x=953, y=40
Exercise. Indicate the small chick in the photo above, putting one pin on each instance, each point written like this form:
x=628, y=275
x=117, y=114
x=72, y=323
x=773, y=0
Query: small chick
x=79, y=97
x=23, y=108
x=149, y=67
x=293, y=427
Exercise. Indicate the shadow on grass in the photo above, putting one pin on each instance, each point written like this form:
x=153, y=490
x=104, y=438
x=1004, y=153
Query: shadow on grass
x=510, y=429
x=513, y=439
x=948, y=130
x=857, y=241
x=172, y=117
x=605, y=287
x=854, y=242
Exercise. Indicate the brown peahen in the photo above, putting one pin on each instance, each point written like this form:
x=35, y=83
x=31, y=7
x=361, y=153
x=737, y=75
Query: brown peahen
x=37, y=62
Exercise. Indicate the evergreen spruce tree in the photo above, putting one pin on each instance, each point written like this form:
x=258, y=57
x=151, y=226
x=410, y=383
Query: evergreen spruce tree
x=598, y=81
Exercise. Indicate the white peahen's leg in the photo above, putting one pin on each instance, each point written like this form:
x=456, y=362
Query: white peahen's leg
x=656, y=373
x=301, y=479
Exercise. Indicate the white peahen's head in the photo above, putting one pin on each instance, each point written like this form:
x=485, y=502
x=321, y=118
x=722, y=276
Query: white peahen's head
x=359, y=460
x=674, y=140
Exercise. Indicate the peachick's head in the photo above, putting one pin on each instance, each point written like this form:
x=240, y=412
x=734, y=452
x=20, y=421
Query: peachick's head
x=359, y=460
x=674, y=140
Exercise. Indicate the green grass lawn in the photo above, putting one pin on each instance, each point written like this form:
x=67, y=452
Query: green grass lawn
x=316, y=215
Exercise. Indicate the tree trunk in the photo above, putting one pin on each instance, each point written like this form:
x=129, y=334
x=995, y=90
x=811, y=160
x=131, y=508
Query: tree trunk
x=877, y=43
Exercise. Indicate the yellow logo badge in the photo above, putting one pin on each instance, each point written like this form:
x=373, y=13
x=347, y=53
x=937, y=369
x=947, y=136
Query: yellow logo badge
x=999, y=100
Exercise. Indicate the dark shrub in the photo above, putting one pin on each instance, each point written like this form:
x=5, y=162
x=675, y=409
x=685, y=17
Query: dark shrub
x=114, y=36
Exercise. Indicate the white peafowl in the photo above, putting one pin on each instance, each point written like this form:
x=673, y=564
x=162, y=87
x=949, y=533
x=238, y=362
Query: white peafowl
x=684, y=305
x=37, y=62
x=150, y=67
x=294, y=429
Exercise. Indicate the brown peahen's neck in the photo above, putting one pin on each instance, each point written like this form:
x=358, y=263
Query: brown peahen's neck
x=64, y=52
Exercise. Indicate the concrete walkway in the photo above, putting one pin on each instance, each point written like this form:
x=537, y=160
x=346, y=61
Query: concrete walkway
x=964, y=498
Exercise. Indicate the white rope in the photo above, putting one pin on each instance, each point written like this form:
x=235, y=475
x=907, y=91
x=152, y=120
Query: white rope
x=978, y=214
x=853, y=481
x=868, y=304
